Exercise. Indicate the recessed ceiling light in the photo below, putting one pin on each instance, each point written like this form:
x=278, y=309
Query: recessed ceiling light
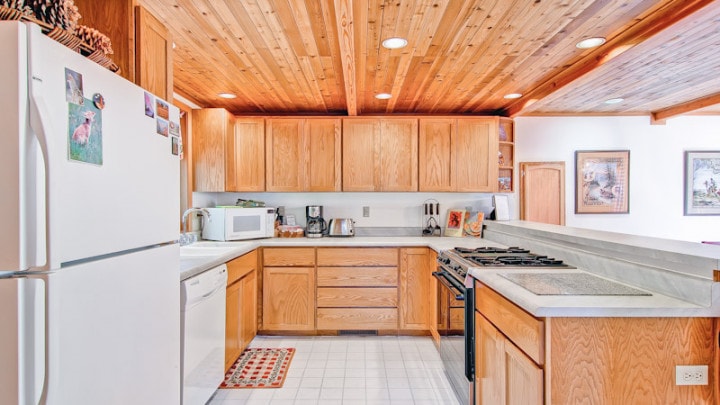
x=227, y=95
x=590, y=42
x=383, y=96
x=395, y=43
x=512, y=95
x=614, y=100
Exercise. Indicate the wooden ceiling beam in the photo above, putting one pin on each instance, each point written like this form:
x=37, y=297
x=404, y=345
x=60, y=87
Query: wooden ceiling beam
x=659, y=117
x=346, y=37
x=614, y=47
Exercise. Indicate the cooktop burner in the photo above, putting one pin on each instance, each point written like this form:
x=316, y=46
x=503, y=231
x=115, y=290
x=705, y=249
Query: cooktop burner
x=490, y=250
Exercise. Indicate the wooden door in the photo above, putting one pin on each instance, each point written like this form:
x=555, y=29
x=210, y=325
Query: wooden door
x=248, y=310
x=325, y=155
x=289, y=298
x=398, y=155
x=211, y=132
x=233, y=308
x=523, y=378
x=153, y=54
x=360, y=157
x=489, y=363
x=248, y=155
x=415, y=276
x=476, y=155
x=286, y=152
x=542, y=192
x=436, y=161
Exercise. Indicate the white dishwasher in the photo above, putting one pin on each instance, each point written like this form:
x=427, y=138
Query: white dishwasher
x=203, y=334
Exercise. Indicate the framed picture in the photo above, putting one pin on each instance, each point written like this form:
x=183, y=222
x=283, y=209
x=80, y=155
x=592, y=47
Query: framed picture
x=602, y=182
x=455, y=222
x=702, y=179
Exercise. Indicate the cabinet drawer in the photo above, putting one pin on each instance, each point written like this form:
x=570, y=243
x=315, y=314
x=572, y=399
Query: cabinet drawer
x=239, y=267
x=523, y=329
x=357, y=297
x=357, y=318
x=357, y=257
x=289, y=256
x=357, y=277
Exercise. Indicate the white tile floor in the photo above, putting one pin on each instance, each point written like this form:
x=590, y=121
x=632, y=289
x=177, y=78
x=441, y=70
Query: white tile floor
x=372, y=370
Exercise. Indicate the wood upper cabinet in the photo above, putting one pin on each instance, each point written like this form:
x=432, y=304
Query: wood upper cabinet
x=212, y=148
x=303, y=154
x=288, y=301
x=458, y=154
x=247, y=154
x=228, y=152
x=142, y=45
x=241, y=306
x=380, y=154
x=415, y=281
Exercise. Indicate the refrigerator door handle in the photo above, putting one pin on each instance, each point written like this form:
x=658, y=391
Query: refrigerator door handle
x=38, y=110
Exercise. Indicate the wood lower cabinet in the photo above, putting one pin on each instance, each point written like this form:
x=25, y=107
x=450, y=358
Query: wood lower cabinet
x=521, y=359
x=357, y=289
x=415, y=288
x=241, y=306
x=288, y=302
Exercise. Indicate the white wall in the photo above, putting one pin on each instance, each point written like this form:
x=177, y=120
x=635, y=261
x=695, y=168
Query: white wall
x=656, y=167
x=386, y=209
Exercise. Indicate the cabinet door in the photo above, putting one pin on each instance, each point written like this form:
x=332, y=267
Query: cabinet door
x=476, y=155
x=325, y=155
x=233, y=342
x=248, y=309
x=153, y=54
x=415, y=275
x=211, y=131
x=360, y=157
x=523, y=379
x=436, y=161
x=285, y=152
x=289, y=298
x=248, y=155
x=489, y=363
x=398, y=155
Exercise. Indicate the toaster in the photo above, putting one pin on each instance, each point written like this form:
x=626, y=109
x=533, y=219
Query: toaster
x=341, y=227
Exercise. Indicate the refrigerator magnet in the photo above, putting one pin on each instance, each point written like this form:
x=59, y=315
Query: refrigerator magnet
x=174, y=128
x=73, y=87
x=162, y=127
x=149, y=105
x=162, y=108
x=85, y=133
x=99, y=101
x=175, y=145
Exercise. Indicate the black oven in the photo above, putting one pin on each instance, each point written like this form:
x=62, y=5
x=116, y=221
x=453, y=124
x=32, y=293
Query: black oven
x=456, y=327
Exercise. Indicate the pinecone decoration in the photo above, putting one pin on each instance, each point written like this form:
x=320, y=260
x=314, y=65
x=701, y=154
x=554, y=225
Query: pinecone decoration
x=96, y=39
x=17, y=5
x=57, y=13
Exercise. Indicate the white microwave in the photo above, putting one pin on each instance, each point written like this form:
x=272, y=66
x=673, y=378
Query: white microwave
x=237, y=223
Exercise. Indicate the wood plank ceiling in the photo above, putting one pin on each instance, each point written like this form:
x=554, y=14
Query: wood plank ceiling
x=325, y=56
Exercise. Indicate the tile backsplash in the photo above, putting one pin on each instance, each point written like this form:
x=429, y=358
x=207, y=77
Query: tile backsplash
x=386, y=209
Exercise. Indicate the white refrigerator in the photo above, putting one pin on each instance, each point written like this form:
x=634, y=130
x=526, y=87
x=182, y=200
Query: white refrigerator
x=89, y=264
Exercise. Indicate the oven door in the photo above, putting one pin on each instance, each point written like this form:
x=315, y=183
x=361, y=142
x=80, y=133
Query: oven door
x=456, y=346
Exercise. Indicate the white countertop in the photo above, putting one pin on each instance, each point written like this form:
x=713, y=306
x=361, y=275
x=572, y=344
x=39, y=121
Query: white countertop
x=655, y=305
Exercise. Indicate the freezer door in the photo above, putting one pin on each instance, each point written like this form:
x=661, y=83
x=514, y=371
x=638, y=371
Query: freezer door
x=22, y=340
x=112, y=178
x=114, y=330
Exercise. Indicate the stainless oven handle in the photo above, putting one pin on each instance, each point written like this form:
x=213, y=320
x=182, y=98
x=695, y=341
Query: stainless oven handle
x=459, y=295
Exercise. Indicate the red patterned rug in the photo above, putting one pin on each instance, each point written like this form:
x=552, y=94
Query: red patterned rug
x=259, y=368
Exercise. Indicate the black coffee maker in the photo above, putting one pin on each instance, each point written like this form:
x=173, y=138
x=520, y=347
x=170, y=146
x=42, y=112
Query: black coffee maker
x=316, y=225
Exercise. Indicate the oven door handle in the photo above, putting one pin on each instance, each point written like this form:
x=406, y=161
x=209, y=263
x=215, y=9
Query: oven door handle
x=459, y=295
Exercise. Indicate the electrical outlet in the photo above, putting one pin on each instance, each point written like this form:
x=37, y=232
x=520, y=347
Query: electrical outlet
x=691, y=375
x=366, y=211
